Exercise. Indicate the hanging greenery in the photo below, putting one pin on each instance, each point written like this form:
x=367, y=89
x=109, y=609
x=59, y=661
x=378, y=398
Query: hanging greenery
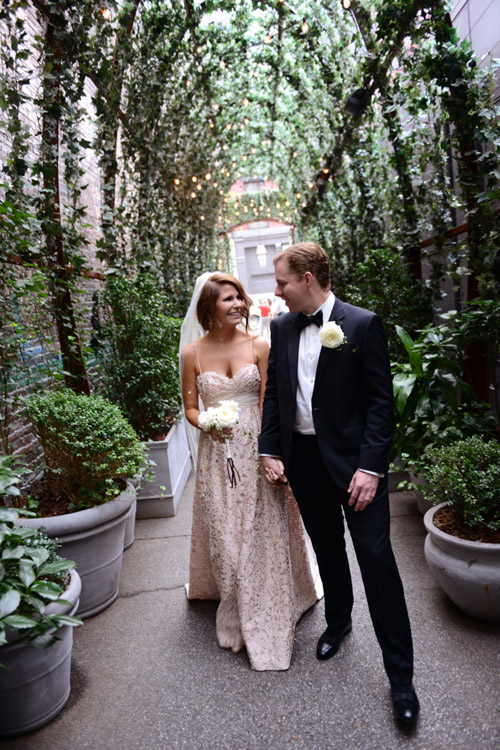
x=358, y=114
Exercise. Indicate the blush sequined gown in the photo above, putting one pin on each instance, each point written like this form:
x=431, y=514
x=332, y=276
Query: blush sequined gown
x=248, y=546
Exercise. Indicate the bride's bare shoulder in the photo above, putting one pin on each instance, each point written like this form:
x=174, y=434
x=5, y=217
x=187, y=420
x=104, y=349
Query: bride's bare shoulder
x=260, y=345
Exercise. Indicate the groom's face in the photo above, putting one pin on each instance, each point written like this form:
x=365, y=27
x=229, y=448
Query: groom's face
x=291, y=288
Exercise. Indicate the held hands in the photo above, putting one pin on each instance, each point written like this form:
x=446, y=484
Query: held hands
x=273, y=470
x=362, y=489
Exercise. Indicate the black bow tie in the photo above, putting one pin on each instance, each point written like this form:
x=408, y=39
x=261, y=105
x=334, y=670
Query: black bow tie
x=305, y=320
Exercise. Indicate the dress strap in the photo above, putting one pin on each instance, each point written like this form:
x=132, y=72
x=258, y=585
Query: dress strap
x=198, y=356
x=253, y=361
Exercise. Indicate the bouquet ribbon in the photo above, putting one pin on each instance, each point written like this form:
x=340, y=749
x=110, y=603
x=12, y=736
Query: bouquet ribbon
x=232, y=472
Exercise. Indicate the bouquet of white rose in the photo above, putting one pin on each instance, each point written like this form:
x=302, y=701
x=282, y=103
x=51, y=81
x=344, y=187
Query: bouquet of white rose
x=225, y=415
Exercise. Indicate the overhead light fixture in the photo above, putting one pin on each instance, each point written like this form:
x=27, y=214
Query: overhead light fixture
x=261, y=253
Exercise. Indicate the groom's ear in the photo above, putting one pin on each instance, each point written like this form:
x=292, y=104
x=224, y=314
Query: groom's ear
x=308, y=277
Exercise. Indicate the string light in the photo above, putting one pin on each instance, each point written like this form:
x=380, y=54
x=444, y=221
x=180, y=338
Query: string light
x=199, y=186
x=106, y=13
x=310, y=185
x=346, y=4
x=194, y=179
x=298, y=196
x=268, y=39
x=208, y=176
x=193, y=194
x=305, y=27
x=177, y=181
x=202, y=217
x=245, y=102
x=246, y=120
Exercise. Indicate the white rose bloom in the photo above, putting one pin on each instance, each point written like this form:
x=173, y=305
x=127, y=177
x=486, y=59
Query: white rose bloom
x=226, y=415
x=331, y=335
x=206, y=419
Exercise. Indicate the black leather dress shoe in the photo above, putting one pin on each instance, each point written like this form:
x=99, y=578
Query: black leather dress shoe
x=406, y=706
x=329, y=643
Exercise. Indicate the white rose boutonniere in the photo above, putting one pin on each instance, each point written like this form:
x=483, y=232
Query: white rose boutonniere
x=331, y=335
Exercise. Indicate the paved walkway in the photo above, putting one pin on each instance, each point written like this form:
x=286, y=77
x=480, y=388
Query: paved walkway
x=148, y=673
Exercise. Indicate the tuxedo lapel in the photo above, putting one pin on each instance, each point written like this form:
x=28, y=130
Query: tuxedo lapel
x=337, y=316
x=293, y=336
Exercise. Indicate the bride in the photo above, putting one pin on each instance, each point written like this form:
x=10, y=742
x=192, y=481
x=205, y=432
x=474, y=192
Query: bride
x=248, y=549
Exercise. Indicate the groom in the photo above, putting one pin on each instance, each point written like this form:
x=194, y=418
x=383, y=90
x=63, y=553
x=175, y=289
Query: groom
x=326, y=428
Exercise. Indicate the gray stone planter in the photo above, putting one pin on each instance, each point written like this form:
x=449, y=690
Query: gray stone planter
x=94, y=539
x=130, y=526
x=35, y=685
x=468, y=572
x=160, y=497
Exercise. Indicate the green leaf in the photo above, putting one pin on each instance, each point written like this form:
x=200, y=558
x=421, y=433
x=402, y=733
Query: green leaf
x=19, y=622
x=26, y=573
x=68, y=620
x=9, y=602
x=47, y=589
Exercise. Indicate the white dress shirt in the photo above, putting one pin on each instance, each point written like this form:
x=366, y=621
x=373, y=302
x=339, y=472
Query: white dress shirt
x=309, y=351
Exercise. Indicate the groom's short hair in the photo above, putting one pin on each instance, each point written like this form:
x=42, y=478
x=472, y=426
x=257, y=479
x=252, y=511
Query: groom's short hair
x=307, y=256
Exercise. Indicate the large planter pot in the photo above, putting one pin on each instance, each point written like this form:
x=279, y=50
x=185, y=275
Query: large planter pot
x=172, y=466
x=468, y=572
x=129, y=535
x=94, y=539
x=35, y=685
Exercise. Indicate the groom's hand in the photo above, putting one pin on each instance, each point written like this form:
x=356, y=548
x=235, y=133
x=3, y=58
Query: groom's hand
x=362, y=489
x=273, y=470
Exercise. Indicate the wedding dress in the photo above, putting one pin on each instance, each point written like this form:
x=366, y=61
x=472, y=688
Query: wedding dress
x=248, y=547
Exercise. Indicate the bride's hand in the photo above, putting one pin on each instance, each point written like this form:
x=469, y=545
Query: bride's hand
x=273, y=470
x=220, y=435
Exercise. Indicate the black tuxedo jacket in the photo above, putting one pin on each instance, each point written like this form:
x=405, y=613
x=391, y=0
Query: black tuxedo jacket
x=352, y=402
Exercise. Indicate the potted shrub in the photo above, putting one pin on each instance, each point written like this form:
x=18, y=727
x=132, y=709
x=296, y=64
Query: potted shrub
x=85, y=494
x=38, y=595
x=462, y=547
x=434, y=405
x=137, y=346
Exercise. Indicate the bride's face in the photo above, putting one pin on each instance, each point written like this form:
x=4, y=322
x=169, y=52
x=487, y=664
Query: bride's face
x=229, y=305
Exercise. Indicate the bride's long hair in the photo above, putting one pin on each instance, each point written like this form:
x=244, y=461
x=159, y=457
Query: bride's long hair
x=205, y=309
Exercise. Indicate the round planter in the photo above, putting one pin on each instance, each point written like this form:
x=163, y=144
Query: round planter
x=94, y=539
x=130, y=526
x=35, y=685
x=468, y=572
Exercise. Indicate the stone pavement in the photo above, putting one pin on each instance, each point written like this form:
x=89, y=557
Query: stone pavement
x=148, y=674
